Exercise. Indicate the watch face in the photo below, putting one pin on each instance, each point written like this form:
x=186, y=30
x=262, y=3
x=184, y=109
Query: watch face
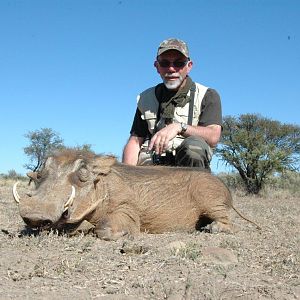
x=183, y=127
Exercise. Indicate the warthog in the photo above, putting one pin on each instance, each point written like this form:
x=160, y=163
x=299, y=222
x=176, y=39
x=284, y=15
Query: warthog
x=76, y=187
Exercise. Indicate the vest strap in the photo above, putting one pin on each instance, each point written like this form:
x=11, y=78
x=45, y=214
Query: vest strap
x=191, y=104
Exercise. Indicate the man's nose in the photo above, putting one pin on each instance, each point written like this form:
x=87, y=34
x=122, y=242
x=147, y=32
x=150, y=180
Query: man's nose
x=171, y=69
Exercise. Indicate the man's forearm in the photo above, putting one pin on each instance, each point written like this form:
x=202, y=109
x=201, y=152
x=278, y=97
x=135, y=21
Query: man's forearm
x=129, y=157
x=211, y=133
x=131, y=151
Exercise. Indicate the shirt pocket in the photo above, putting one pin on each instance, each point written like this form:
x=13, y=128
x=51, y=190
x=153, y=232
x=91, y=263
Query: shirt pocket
x=181, y=114
x=150, y=118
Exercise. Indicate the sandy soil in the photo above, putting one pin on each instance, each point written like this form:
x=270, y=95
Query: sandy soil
x=249, y=264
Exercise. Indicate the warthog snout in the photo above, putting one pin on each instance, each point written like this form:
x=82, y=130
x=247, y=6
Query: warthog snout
x=36, y=223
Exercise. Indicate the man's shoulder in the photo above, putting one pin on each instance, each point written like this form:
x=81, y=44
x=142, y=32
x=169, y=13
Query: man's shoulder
x=199, y=85
x=148, y=91
x=209, y=91
x=212, y=93
x=147, y=100
x=146, y=96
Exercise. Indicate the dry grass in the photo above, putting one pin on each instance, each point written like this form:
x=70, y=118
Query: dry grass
x=166, y=266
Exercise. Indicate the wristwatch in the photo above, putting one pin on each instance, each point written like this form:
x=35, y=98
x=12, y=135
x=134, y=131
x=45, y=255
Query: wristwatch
x=184, y=127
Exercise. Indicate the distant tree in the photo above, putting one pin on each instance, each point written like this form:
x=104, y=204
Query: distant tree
x=41, y=143
x=258, y=147
x=12, y=174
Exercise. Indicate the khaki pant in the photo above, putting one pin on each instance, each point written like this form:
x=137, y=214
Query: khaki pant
x=192, y=152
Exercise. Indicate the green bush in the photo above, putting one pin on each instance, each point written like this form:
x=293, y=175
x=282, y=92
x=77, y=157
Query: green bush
x=233, y=181
x=12, y=174
x=288, y=181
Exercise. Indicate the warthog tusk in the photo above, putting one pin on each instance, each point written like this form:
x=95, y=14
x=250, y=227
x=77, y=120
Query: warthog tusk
x=15, y=192
x=70, y=200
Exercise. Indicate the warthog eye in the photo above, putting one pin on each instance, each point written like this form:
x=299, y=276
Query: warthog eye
x=41, y=175
x=37, y=176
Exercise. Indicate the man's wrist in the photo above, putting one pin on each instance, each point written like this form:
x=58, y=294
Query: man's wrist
x=183, y=128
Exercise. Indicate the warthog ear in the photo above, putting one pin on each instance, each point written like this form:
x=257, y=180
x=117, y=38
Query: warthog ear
x=102, y=164
x=32, y=175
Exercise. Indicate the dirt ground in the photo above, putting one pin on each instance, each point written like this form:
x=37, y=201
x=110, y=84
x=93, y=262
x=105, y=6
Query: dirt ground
x=249, y=264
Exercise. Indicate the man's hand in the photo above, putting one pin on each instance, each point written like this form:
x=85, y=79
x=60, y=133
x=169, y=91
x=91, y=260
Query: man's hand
x=160, y=141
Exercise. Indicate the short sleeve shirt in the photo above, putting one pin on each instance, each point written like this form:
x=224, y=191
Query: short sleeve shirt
x=211, y=113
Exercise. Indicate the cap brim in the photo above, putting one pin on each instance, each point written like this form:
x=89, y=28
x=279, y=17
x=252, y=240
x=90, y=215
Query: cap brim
x=163, y=50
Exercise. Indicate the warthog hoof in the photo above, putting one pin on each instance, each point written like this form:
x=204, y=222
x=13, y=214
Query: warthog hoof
x=216, y=227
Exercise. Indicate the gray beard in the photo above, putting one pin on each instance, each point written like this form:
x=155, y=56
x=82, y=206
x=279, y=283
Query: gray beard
x=174, y=84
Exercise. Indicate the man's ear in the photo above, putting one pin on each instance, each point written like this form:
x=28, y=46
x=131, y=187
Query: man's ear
x=102, y=164
x=190, y=65
x=156, y=65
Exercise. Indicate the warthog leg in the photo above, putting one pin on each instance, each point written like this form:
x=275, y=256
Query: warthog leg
x=216, y=227
x=117, y=224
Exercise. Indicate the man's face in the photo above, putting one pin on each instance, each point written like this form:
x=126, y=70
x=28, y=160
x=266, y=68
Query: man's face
x=173, y=68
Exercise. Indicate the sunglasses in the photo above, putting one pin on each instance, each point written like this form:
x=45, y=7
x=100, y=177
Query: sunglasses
x=176, y=64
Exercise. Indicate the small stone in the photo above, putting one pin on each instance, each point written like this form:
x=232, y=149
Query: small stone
x=219, y=256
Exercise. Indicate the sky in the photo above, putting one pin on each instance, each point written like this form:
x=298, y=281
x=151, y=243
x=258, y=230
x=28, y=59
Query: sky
x=77, y=66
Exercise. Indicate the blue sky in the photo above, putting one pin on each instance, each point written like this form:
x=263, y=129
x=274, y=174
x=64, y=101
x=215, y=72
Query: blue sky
x=77, y=66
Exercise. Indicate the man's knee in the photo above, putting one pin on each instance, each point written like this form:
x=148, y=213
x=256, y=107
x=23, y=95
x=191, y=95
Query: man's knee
x=193, y=152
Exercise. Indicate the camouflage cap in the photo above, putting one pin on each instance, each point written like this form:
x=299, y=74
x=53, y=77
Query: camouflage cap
x=173, y=44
